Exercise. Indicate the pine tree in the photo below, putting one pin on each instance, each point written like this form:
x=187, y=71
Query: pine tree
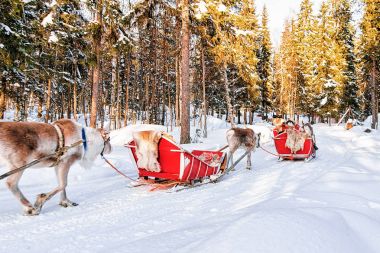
x=264, y=67
x=305, y=39
x=345, y=38
x=370, y=54
x=328, y=58
x=233, y=39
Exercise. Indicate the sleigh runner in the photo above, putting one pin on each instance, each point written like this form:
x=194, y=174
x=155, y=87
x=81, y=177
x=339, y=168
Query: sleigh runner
x=181, y=166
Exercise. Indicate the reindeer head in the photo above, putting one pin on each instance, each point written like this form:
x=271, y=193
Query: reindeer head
x=147, y=149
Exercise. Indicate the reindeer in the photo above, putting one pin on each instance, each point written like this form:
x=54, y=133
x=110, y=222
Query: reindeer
x=239, y=137
x=22, y=143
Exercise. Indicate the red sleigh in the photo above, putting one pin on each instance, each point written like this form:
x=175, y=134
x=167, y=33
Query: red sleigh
x=308, y=151
x=180, y=165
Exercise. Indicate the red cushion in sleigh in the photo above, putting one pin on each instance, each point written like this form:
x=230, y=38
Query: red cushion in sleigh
x=284, y=152
x=181, y=165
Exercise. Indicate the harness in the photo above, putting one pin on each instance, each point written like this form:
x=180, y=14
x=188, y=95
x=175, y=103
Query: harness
x=57, y=155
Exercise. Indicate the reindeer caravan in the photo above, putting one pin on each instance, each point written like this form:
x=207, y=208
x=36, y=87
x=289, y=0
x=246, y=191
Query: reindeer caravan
x=162, y=163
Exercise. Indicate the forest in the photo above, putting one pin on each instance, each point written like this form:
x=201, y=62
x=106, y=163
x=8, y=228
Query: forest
x=173, y=62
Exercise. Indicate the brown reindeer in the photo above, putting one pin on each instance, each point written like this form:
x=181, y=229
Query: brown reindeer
x=239, y=137
x=24, y=142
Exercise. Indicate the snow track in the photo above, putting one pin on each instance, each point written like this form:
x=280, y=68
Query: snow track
x=331, y=204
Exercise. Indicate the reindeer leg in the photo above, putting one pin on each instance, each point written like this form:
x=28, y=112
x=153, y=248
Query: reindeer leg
x=62, y=171
x=64, y=202
x=249, y=160
x=231, y=160
x=12, y=184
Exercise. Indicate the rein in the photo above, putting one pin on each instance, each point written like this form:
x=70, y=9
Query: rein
x=116, y=169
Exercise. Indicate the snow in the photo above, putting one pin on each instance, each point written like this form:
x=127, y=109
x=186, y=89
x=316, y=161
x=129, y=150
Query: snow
x=53, y=37
x=1, y=45
x=47, y=20
x=6, y=28
x=222, y=8
x=52, y=4
x=330, y=84
x=368, y=122
x=242, y=32
x=200, y=10
x=323, y=101
x=330, y=204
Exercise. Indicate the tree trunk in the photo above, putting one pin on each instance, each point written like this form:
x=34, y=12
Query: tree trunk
x=146, y=101
x=178, y=70
x=39, y=109
x=251, y=116
x=75, y=94
x=48, y=99
x=230, y=118
x=245, y=116
x=69, y=93
x=374, y=98
x=177, y=92
x=2, y=100
x=204, y=104
x=117, y=90
x=112, y=111
x=185, y=85
x=127, y=74
x=96, y=73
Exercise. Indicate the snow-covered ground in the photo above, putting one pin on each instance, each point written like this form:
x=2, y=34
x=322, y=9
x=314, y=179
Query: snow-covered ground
x=331, y=204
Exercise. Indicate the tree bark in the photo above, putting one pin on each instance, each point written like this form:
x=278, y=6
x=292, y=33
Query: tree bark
x=69, y=98
x=48, y=99
x=114, y=92
x=127, y=74
x=185, y=85
x=178, y=71
x=96, y=73
x=2, y=100
x=204, y=105
x=75, y=94
x=177, y=92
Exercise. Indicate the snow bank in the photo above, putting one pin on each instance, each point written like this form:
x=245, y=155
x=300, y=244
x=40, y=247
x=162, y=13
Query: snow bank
x=368, y=122
x=330, y=204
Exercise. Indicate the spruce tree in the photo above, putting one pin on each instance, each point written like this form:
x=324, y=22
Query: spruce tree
x=264, y=67
x=370, y=54
x=345, y=38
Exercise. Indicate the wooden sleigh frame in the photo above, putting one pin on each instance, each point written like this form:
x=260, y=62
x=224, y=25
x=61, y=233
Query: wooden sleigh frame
x=180, y=165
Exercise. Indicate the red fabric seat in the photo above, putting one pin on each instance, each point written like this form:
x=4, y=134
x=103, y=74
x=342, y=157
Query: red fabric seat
x=180, y=165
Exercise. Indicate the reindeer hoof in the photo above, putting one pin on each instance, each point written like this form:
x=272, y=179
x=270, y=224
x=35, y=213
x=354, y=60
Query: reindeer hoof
x=67, y=203
x=31, y=211
x=248, y=168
